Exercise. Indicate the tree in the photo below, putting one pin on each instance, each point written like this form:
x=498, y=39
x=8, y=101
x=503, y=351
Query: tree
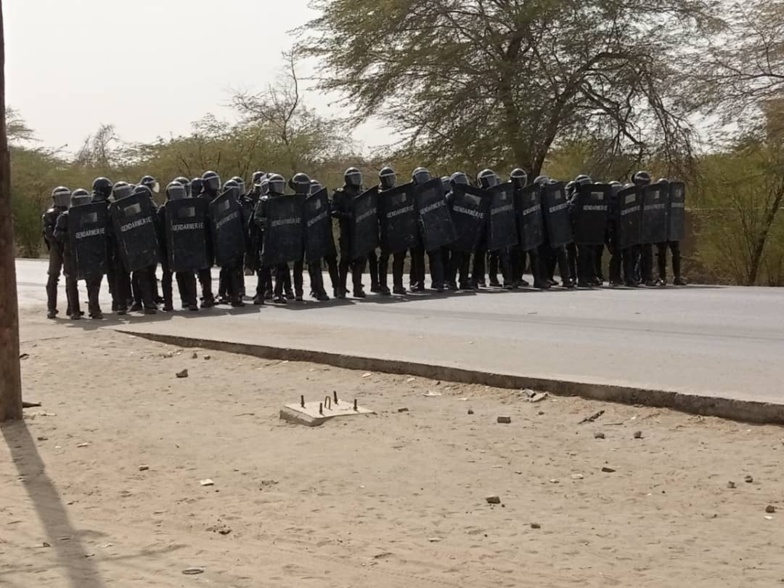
x=504, y=81
x=16, y=127
x=280, y=112
x=10, y=372
x=736, y=75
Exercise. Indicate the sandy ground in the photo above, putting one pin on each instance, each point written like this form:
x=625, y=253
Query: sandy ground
x=397, y=499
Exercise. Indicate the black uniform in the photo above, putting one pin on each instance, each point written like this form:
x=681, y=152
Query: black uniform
x=49, y=223
x=343, y=210
x=71, y=282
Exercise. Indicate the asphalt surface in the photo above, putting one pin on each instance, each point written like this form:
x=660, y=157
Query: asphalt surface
x=712, y=341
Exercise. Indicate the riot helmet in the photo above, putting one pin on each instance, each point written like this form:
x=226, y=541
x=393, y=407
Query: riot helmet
x=300, y=183
x=421, y=175
x=151, y=183
x=196, y=186
x=233, y=188
x=487, y=178
x=445, y=184
x=211, y=182
x=143, y=190
x=459, y=178
x=102, y=189
x=641, y=178
x=276, y=184
x=176, y=191
x=264, y=188
x=519, y=178
x=185, y=184
x=582, y=180
x=541, y=180
x=122, y=190
x=387, y=178
x=352, y=177
x=80, y=197
x=569, y=188
x=257, y=177
x=315, y=186
x=240, y=183
x=61, y=197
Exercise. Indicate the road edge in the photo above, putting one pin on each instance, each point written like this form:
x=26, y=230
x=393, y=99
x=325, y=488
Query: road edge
x=748, y=411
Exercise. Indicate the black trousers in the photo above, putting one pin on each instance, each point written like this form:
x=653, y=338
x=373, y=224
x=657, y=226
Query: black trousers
x=661, y=253
x=53, y=279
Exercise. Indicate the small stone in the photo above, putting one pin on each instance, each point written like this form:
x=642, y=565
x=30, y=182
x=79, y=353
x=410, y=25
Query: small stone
x=730, y=484
x=206, y=482
x=598, y=435
x=42, y=438
x=182, y=374
x=748, y=479
x=195, y=355
x=504, y=420
x=434, y=539
x=207, y=357
x=493, y=499
x=536, y=526
x=46, y=544
x=402, y=409
x=577, y=476
x=770, y=509
x=607, y=470
x=193, y=571
x=554, y=480
x=83, y=445
x=224, y=531
x=638, y=434
x=470, y=411
x=144, y=468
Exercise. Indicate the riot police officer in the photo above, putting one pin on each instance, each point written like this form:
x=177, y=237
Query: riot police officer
x=61, y=197
x=661, y=257
x=102, y=192
x=421, y=176
x=487, y=179
x=519, y=179
x=645, y=276
x=387, y=180
x=186, y=281
x=256, y=228
x=78, y=198
x=343, y=210
x=210, y=184
x=300, y=184
x=553, y=256
x=459, y=268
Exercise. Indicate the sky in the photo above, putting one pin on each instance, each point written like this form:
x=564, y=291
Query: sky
x=149, y=67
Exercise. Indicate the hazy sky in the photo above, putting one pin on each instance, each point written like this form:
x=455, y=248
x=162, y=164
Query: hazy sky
x=150, y=67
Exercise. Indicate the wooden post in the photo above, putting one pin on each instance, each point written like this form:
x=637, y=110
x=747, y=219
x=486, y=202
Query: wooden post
x=10, y=376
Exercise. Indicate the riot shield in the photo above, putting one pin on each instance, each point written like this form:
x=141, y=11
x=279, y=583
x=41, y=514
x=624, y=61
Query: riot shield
x=654, y=214
x=283, y=235
x=133, y=220
x=364, y=223
x=502, y=230
x=319, y=241
x=591, y=214
x=677, y=212
x=228, y=229
x=398, y=219
x=556, y=215
x=87, y=238
x=629, y=216
x=435, y=220
x=469, y=207
x=186, y=235
x=529, y=217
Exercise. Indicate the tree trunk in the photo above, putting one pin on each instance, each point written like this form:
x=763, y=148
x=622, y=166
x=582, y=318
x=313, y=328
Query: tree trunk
x=762, y=238
x=10, y=376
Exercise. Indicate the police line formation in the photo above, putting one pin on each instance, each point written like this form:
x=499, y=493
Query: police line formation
x=464, y=227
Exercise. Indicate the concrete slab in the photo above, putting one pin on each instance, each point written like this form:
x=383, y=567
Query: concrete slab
x=315, y=414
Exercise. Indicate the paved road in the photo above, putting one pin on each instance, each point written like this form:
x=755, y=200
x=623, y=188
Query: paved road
x=712, y=341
